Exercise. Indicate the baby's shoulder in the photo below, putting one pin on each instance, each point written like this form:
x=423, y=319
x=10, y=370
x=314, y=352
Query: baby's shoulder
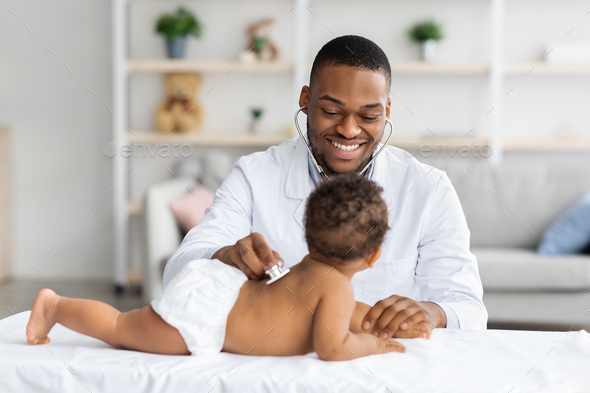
x=319, y=280
x=336, y=284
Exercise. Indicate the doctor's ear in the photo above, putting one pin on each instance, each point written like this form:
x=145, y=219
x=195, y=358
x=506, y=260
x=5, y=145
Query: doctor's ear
x=304, y=98
x=372, y=257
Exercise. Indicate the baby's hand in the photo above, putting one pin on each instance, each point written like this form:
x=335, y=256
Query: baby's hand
x=420, y=330
x=389, y=345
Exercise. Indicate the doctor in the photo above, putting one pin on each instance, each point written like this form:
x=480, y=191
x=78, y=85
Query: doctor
x=426, y=273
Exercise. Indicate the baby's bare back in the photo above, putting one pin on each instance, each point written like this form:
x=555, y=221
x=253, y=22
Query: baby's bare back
x=277, y=319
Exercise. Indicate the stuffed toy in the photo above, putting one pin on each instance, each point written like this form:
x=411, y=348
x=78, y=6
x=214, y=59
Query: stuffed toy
x=179, y=112
x=260, y=47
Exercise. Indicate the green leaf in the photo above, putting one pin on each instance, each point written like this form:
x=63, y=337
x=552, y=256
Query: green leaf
x=180, y=23
x=256, y=112
x=426, y=30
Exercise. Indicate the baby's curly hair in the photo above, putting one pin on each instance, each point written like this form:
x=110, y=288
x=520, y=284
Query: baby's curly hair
x=345, y=218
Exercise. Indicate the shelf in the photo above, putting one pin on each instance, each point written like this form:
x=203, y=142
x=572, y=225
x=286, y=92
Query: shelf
x=198, y=139
x=397, y=68
x=544, y=68
x=244, y=139
x=435, y=68
x=237, y=140
x=433, y=141
x=214, y=66
x=547, y=144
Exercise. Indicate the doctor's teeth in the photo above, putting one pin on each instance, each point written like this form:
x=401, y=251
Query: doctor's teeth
x=345, y=147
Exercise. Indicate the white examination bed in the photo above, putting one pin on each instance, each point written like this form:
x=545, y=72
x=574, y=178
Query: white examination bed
x=451, y=361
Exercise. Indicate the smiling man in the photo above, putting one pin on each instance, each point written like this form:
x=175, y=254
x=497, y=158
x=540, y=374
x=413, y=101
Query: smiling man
x=426, y=274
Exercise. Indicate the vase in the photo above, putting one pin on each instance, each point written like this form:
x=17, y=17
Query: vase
x=176, y=47
x=254, y=126
x=428, y=50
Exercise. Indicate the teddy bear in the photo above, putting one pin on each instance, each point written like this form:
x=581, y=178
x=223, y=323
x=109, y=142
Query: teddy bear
x=179, y=112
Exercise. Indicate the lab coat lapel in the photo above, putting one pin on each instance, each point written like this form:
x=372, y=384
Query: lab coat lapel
x=383, y=177
x=298, y=182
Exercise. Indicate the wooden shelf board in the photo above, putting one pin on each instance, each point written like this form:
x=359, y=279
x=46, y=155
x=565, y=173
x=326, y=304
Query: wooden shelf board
x=214, y=66
x=436, y=68
x=545, y=68
x=199, y=139
x=244, y=139
x=547, y=144
x=397, y=67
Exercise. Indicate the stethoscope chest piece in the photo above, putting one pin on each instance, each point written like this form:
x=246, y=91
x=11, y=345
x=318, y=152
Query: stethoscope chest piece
x=275, y=273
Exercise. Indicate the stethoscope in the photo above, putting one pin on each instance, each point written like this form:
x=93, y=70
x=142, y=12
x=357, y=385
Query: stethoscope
x=275, y=272
x=318, y=167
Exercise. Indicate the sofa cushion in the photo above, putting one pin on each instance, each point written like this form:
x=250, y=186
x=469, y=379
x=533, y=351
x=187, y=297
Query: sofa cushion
x=571, y=232
x=512, y=204
x=524, y=269
x=190, y=208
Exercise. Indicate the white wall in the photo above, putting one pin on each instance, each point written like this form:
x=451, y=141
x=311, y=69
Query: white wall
x=60, y=128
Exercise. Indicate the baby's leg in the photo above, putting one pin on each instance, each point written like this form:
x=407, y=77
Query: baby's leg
x=141, y=329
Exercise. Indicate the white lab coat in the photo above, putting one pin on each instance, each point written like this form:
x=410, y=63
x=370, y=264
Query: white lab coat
x=425, y=254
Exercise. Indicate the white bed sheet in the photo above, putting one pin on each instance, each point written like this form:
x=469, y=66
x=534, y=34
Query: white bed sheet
x=451, y=361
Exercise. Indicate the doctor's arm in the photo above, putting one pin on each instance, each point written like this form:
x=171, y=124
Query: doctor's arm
x=446, y=275
x=226, y=226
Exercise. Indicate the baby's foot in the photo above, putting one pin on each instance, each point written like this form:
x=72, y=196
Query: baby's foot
x=41, y=320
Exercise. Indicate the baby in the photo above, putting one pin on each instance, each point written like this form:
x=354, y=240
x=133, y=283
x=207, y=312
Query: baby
x=210, y=307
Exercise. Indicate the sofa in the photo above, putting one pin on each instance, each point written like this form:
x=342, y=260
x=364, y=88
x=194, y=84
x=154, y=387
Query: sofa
x=507, y=207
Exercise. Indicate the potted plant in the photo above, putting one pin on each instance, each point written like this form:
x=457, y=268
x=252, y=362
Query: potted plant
x=256, y=116
x=176, y=27
x=426, y=33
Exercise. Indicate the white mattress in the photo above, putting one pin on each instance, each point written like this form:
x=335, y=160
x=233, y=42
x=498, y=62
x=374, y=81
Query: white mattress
x=451, y=361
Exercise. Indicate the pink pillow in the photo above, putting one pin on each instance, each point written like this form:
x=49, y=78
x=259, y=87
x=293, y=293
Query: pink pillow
x=190, y=208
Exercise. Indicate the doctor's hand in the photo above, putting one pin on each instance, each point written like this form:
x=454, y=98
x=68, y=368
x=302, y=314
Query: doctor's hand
x=252, y=255
x=402, y=317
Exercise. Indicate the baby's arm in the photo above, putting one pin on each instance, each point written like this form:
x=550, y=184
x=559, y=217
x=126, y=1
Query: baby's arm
x=331, y=338
x=140, y=330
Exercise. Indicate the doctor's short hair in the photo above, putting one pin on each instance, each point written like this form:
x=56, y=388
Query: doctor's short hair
x=353, y=51
x=345, y=218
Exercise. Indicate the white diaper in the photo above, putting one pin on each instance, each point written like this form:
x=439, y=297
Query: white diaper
x=197, y=302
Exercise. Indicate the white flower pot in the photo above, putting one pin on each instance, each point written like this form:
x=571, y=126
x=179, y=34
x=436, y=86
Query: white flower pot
x=428, y=50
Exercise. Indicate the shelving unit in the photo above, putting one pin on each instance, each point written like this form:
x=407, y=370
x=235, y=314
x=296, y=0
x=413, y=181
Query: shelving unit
x=123, y=67
x=495, y=70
